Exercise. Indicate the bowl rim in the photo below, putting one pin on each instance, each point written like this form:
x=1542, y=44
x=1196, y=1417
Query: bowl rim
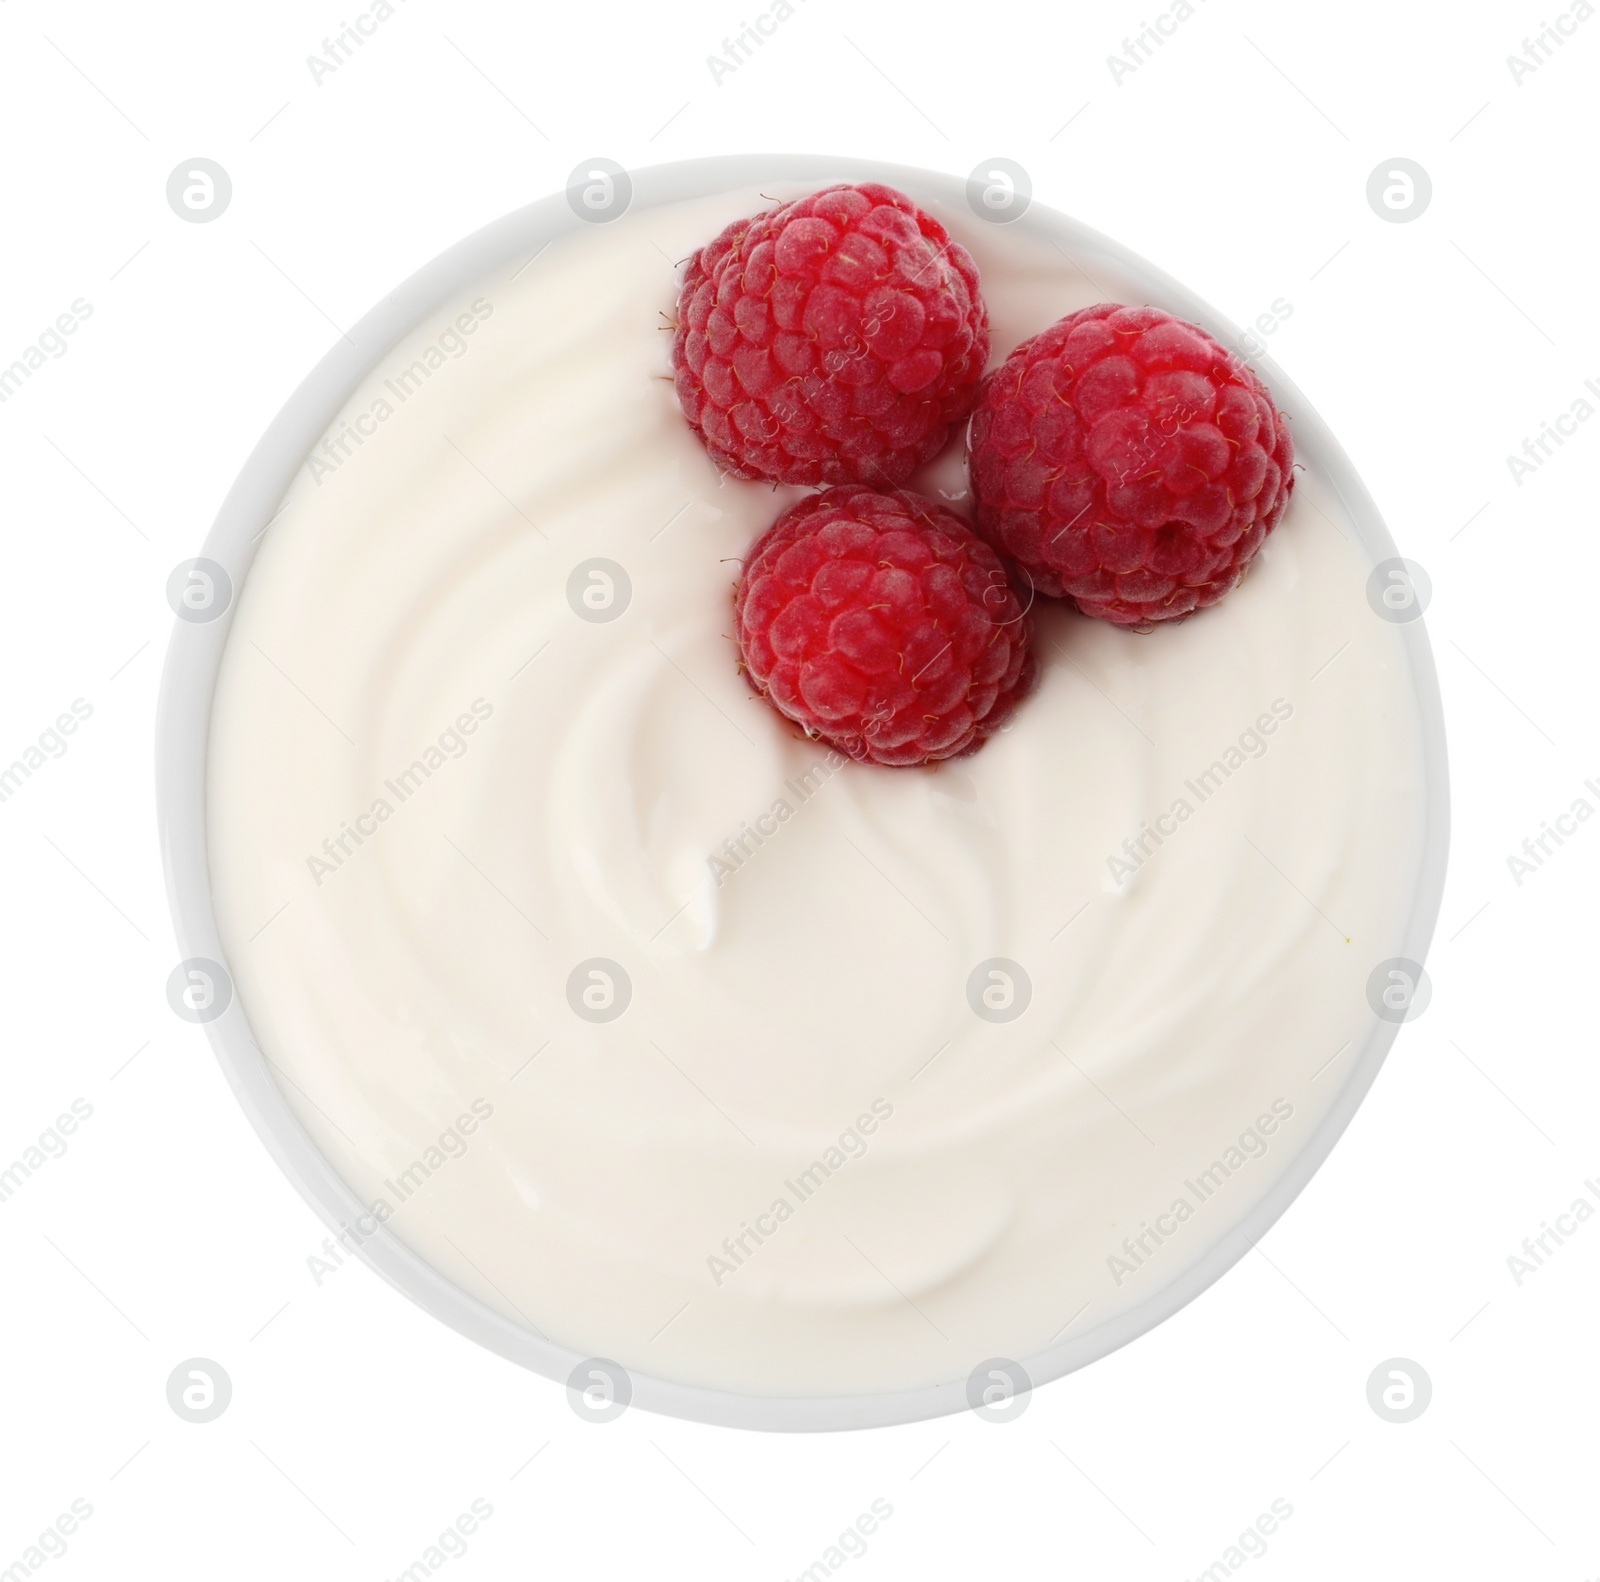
x=194, y=657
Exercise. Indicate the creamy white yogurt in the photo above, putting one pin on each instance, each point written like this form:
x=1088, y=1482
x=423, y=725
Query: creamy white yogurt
x=799, y=1161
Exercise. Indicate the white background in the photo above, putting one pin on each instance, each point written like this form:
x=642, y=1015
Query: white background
x=1237, y=158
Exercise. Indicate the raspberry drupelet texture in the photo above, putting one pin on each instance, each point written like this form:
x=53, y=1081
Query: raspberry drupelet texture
x=1128, y=461
x=834, y=339
x=883, y=625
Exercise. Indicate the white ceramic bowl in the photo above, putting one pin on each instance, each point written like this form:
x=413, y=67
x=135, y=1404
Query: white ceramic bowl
x=183, y=730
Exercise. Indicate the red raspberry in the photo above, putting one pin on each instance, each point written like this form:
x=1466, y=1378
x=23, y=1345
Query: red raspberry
x=832, y=340
x=884, y=625
x=1127, y=460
